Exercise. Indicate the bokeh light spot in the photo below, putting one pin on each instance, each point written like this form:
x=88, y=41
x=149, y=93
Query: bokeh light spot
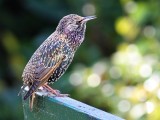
x=149, y=107
x=115, y=72
x=94, y=80
x=137, y=111
x=75, y=79
x=99, y=68
x=108, y=89
x=149, y=31
x=127, y=92
x=125, y=27
x=145, y=70
x=158, y=93
x=130, y=7
x=124, y=105
x=88, y=9
x=152, y=83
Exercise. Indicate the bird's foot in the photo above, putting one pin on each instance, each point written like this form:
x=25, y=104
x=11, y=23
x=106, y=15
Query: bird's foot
x=53, y=91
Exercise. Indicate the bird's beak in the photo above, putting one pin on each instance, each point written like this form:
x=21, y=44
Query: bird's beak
x=85, y=19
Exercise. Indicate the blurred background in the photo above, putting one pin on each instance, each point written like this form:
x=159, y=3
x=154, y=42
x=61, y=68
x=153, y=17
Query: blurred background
x=116, y=69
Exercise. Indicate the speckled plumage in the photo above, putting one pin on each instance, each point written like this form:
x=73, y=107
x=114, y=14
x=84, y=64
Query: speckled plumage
x=55, y=54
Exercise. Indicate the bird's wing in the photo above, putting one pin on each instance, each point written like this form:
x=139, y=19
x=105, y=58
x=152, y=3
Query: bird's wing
x=49, y=59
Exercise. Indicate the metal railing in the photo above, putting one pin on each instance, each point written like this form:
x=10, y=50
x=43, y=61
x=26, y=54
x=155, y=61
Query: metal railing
x=63, y=108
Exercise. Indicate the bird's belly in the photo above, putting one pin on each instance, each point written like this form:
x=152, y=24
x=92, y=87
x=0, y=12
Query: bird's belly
x=60, y=71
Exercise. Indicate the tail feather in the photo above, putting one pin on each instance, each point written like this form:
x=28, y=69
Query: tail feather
x=32, y=89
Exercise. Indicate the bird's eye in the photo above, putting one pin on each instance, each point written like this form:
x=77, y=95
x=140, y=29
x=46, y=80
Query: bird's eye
x=78, y=22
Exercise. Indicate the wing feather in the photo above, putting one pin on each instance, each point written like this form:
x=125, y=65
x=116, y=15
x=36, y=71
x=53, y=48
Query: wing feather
x=48, y=59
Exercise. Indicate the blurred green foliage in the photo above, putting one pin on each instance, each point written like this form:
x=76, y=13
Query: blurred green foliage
x=116, y=68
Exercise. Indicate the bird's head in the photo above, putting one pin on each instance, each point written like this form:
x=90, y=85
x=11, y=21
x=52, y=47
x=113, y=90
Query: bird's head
x=73, y=23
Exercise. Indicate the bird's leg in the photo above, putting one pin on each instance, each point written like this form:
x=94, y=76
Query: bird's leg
x=48, y=88
x=53, y=91
x=31, y=102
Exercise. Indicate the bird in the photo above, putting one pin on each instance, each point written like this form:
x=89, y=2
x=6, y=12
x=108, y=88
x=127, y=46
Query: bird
x=50, y=61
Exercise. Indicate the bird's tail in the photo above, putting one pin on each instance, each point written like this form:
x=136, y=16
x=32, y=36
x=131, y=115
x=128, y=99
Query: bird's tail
x=32, y=89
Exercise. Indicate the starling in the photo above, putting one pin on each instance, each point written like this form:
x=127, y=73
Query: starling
x=54, y=55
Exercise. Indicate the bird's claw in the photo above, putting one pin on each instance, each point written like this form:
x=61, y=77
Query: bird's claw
x=54, y=92
x=57, y=93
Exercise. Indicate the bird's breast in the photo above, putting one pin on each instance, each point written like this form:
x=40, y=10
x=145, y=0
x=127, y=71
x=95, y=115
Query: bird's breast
x=69, y=54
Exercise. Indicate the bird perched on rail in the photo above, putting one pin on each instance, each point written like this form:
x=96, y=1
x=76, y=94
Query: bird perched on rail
x=54, y=55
